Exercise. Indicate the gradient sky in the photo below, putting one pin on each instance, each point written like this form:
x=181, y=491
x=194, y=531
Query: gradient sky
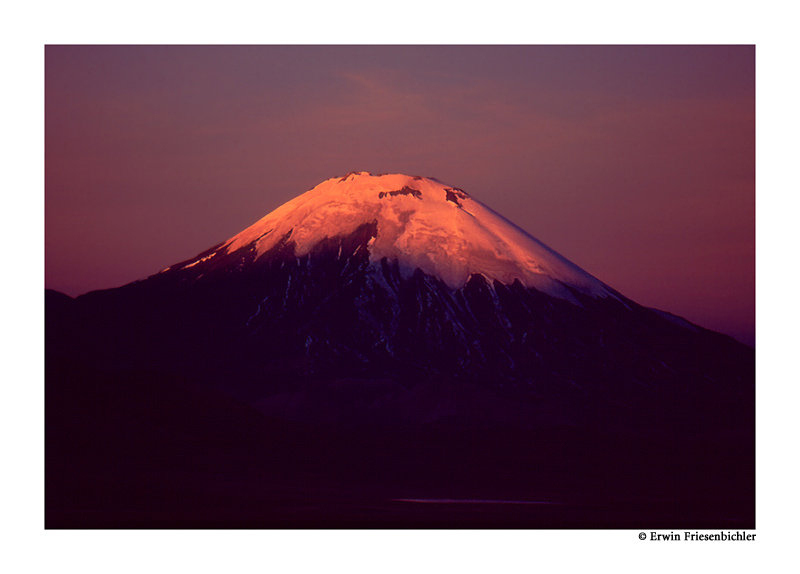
x=636, y=163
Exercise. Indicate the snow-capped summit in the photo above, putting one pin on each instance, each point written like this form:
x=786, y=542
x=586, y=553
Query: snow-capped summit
x=422, y=224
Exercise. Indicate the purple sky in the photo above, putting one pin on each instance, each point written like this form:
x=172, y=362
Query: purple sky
x=636, y=163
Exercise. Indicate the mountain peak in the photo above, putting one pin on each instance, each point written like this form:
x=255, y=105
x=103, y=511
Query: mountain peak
x=392, y=185
x=421, y=223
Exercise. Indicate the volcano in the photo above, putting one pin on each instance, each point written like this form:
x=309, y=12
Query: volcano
x=390, y=334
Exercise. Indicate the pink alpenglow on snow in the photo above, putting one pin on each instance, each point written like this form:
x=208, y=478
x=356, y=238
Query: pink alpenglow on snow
x=422, y=224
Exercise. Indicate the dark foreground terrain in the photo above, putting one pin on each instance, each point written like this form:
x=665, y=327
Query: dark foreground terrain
x=142, y=450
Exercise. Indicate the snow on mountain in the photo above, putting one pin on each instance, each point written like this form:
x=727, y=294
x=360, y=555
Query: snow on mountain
x=422, y=224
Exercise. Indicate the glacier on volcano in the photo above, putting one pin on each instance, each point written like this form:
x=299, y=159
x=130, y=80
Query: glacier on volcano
x=422, y=224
